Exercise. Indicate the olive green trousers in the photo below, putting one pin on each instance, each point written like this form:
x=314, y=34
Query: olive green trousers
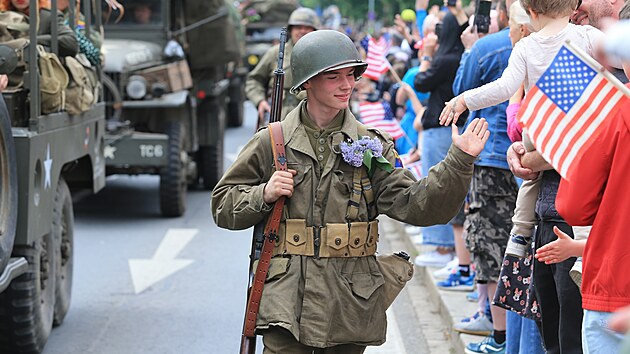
x=278, y=340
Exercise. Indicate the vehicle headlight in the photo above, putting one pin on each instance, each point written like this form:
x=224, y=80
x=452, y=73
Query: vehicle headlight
x=136, y=87
x=252, y=60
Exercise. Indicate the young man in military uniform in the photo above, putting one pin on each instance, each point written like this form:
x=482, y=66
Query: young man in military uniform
x=260, y=80
x=326, y=291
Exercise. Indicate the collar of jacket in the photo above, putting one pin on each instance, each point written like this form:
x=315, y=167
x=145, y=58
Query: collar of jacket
x=295, y=135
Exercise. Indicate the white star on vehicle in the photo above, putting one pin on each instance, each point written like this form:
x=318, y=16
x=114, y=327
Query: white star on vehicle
x=47, y=168
x=109, y=151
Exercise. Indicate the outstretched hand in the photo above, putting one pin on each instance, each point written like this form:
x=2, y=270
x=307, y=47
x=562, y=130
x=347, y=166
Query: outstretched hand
x=474, y=137
x=559, y=250
x=452, y=110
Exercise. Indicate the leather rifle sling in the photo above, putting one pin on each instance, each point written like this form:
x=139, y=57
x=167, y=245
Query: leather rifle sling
x=270, y=234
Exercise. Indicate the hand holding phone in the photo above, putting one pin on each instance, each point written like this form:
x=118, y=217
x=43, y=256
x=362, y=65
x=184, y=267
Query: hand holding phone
x=482, y=16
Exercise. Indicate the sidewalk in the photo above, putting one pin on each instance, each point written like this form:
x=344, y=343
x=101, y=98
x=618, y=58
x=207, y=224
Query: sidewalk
x=451, y=305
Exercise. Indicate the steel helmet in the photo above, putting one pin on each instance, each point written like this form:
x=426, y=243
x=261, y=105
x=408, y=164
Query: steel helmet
x=304, y=16
x=322, y=51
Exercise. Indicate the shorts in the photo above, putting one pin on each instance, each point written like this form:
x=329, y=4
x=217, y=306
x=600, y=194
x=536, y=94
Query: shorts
x=492, y=199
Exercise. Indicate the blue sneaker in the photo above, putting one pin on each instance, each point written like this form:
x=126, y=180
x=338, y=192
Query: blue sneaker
x=472, y=297
x=487, y=345
x=457, y=282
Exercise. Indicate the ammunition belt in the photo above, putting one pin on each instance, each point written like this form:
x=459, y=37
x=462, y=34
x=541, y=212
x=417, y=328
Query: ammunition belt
x=354, y=239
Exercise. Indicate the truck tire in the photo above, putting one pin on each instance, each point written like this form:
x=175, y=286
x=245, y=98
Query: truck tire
x=235, y=110
x=28, y=304
x=63, y=239
x=210, y=157
x=8, y=187
x=173, y=183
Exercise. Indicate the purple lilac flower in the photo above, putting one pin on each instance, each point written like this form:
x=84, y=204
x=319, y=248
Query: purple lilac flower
x=353, y=152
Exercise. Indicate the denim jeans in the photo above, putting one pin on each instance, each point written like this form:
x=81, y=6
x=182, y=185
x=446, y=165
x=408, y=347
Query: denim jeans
x=523, y=336
x=435, y=145
x=596, y=337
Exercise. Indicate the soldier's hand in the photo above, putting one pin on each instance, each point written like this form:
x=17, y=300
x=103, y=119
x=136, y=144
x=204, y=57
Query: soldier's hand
x=474, y=137
x=263, y=107
x=280, y=184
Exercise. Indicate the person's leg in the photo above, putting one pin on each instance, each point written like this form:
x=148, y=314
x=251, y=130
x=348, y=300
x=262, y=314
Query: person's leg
x=513, y=333
x=277, y=340
x=596, y=337
x=531, y=343
x=569, y=299
x=342, y=349
x=546, y=294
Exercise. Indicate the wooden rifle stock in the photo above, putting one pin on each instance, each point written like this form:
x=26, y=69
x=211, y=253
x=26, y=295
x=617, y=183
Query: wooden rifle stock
x=248, y=339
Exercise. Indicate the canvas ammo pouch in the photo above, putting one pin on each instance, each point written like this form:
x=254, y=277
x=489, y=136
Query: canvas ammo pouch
x=53, y=81
x=14, y=34
x=396, y=271
x=82, y=91
x=355, y=239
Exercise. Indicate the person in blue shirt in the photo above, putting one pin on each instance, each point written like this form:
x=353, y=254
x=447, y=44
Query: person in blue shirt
x=493, y=191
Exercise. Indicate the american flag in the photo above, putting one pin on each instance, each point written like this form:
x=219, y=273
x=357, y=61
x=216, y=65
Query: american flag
x=567, y=106
x=415, y=167
x=376, y=60
x=379, y=115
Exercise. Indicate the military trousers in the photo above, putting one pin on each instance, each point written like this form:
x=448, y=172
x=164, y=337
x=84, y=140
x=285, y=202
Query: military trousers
x=278, y=340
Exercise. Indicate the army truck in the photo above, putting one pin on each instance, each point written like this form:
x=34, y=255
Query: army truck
x=174, y=82
x=43, y=156
x=264, y=20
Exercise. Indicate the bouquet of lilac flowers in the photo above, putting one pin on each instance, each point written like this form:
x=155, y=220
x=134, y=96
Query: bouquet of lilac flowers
x=365, y=151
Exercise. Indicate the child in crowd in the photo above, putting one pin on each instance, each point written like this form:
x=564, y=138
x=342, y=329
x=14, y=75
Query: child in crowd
x=529, y=60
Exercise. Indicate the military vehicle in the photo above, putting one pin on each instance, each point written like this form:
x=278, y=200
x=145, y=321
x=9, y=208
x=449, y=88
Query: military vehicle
x=264, y=21
x=174, y=83
x=42, y=158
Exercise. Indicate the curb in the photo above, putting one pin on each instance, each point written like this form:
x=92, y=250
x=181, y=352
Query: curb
x=451, y=305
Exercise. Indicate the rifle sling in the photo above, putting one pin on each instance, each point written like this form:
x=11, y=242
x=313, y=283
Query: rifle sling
x=270, y=235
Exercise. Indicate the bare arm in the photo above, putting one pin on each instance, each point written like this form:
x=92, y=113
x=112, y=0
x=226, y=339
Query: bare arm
x=535, y=162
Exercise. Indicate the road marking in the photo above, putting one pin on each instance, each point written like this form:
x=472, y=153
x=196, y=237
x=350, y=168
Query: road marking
x=394, y=343
x=146, y=272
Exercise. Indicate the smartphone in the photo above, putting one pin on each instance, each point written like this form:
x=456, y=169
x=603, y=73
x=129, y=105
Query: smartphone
x=451, y=3
x=438, y=29
x=482, y=16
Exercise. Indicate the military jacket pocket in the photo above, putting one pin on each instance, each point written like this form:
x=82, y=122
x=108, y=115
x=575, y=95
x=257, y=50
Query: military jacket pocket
x=278, y=266
x=364, y=285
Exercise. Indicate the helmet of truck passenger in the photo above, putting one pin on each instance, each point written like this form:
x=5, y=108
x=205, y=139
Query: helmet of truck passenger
x=303, y=16
x=323, y=51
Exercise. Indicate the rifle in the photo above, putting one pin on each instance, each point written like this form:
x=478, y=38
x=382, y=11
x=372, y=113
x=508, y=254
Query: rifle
x=264, y=240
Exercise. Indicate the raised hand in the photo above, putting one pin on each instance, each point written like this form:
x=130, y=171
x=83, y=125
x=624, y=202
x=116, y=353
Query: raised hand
x=280, y=184
x=474, y=137
x=559, y=250
x=452, y=110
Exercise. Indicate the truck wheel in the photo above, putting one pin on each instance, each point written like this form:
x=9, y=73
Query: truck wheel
x=210, y=157
x=63, y=238
x=28, y=304
x=235, y=110
x=173, y=183
x=8, y=187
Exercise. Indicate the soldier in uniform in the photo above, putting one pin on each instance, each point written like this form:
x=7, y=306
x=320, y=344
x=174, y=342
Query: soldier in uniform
x=326, y=290
x=259, y=80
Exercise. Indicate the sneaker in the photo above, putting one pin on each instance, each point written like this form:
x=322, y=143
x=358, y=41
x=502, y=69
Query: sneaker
x=433, y=259
x=518, y=245
x=487, y=345
x=576, y=272
x=447, y=270
x=457, y=282
x=478, y=325
x=472, y=296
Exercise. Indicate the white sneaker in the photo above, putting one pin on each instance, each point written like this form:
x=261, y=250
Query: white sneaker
x=576, y=272
x=447, y=270
x=433, y=259
x=518, y=245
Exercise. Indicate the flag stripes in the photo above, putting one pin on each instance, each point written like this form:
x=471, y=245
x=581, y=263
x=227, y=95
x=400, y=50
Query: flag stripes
x=374, y=114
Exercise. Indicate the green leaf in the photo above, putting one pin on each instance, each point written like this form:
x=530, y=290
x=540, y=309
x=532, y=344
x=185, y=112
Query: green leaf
x=367, y=159
x=383, y=164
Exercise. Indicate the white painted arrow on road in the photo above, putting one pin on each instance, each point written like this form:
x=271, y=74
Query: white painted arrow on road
x=146, y=272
